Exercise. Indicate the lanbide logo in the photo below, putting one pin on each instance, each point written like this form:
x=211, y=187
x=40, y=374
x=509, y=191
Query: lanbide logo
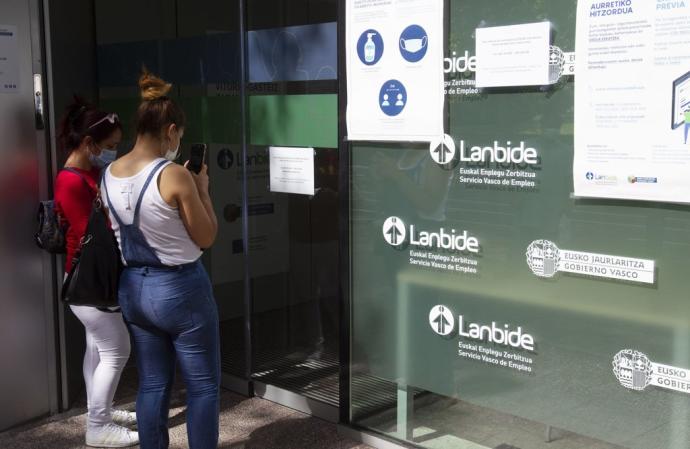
x=394, y=231
x=444, y=149
x=441, y=320
x=600, y=179
x=395, y=234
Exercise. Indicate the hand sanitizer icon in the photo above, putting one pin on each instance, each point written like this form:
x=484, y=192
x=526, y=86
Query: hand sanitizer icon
x=370, y=49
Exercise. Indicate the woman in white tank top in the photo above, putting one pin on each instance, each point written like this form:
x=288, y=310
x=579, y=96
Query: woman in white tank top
x=162, y=215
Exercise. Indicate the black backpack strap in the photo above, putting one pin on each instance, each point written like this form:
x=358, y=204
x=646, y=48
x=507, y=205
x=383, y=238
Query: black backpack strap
x=86, y=183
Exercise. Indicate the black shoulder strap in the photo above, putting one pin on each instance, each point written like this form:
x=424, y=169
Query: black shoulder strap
x=86, y=183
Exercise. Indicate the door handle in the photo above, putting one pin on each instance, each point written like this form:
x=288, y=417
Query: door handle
x=38, y=101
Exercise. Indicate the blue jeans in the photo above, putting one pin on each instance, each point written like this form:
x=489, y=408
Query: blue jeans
x=172, y=315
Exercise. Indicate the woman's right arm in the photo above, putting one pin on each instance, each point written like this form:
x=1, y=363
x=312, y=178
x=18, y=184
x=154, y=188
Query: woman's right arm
x=189, y=192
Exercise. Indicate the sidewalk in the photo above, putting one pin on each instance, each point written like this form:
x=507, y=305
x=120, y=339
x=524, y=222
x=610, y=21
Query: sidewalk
x=245, y=423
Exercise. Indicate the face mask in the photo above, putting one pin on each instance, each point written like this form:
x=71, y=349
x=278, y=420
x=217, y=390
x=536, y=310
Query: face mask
x=413, y=45
x=171, y=155
x=103, y=159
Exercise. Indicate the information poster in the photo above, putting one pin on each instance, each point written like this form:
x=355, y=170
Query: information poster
x=292, y=170
x=9, y=59
x=515, y=55
x=632, y=100
x=395, y=70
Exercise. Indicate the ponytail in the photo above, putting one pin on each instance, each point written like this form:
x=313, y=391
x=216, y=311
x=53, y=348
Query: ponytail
x=82, y=119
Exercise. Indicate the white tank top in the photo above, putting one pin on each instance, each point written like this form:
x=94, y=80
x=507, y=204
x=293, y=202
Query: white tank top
x=161, y=224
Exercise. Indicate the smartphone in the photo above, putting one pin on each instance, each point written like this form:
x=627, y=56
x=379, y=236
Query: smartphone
x=197, y=157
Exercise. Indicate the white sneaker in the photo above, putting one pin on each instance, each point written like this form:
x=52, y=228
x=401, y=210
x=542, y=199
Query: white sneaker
x=111, y=435
x=124, y=418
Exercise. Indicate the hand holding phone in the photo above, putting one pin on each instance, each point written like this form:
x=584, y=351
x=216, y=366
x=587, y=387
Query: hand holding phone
x=197, y=157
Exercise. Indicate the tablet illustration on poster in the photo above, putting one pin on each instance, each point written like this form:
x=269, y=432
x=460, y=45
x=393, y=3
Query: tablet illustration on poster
x=407, y=83
x=681, y=105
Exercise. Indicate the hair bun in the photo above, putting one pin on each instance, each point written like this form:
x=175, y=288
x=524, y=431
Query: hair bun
x=78, y=106
x=152, y=87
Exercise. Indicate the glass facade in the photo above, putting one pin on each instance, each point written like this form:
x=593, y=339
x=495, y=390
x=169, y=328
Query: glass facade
x=411, y=377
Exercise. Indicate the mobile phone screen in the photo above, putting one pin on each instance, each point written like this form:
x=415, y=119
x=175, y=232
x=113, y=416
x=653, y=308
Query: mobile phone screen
x=196, y=158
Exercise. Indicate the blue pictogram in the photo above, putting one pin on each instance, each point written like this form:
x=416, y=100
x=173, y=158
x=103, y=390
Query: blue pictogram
x=370, y=47
x=392, y=98
x=413, y=43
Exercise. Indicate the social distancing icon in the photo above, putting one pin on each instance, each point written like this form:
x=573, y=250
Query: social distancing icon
x=392, y=97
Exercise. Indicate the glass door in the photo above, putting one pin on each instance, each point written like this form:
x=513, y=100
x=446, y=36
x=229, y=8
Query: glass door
x=293, y=239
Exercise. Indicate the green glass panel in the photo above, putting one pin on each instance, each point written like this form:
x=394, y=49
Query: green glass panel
x=294, y=120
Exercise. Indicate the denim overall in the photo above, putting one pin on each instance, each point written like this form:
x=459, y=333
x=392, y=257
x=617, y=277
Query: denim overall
x=172, y=316
x=135, y=249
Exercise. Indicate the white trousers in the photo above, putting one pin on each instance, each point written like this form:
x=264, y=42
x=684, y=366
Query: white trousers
x=107, y=352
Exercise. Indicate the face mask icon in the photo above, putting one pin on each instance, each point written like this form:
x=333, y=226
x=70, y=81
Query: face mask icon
x=413, y=45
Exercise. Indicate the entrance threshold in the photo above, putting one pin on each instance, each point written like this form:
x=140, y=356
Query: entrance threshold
x=367, y=438
x=297, y=402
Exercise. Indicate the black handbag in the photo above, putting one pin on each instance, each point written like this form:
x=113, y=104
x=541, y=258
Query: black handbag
x=96, y=267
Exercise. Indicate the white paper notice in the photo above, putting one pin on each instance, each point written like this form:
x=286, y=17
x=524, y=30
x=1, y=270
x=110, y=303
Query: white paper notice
x=292, y=170
x=9, y=59
x=394, y=70
x=632, y=100
x=516, y=55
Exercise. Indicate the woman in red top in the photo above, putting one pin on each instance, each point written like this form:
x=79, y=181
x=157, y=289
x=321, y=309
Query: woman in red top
x=90, y=138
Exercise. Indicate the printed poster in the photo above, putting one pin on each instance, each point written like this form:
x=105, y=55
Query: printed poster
x=395, y=70
x=9, y=59
x=632, y=100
